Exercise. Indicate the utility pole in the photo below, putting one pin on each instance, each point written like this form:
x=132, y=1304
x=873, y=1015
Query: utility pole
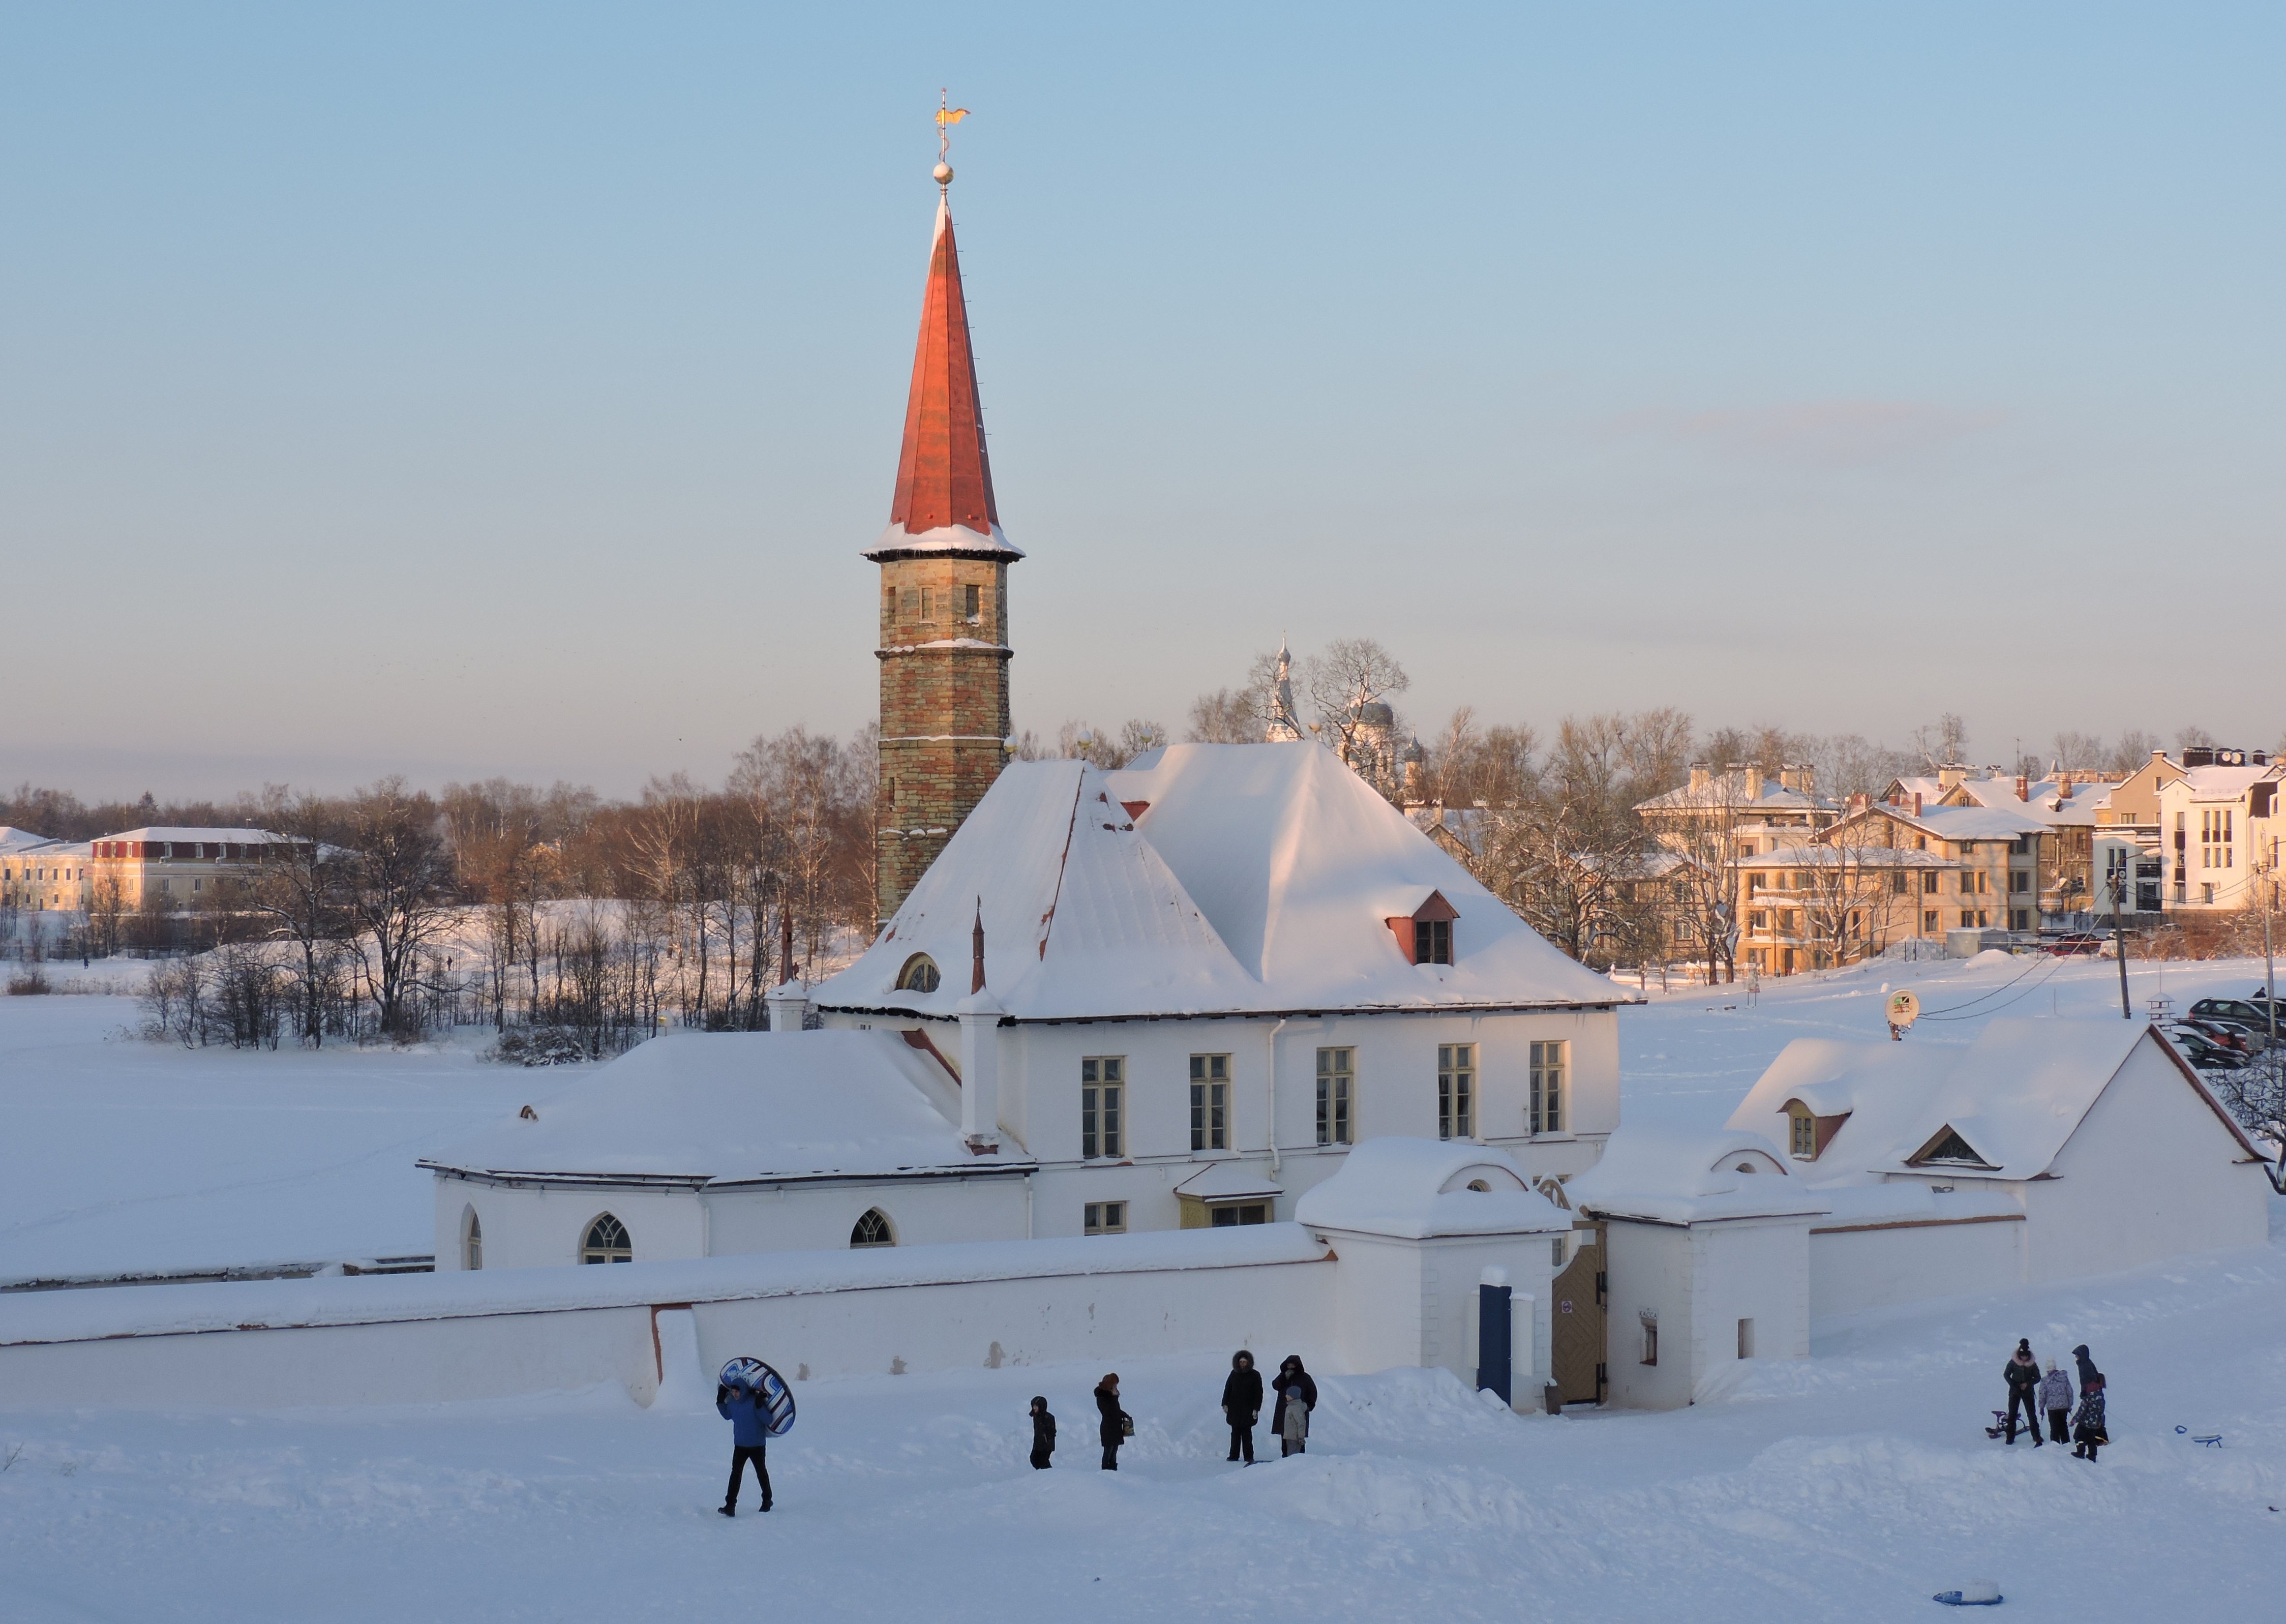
x=2119, y=935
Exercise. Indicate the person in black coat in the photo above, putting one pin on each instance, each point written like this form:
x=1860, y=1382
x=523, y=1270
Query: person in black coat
x=1290, y=1376
x=1241, y=1403
x=2022, y=1374
x=2087, y=1370
x=1113, y=1429
x=1043, y=1434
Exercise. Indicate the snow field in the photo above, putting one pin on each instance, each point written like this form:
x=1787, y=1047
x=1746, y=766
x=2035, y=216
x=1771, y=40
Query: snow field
x=1854, y=1486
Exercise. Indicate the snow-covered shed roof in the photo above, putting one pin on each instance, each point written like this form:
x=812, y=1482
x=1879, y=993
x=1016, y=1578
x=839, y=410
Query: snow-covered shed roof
x=1415, y=1188
x=1677, y=1177
x=1215, y=878
x=2013, y=1098
x=726, y=1108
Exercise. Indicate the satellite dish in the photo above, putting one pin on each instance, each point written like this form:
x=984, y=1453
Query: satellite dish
x=1903, y=1009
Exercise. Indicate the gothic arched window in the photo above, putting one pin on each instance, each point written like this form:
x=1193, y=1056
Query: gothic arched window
x=607, y=1242
x=872, y=1230
x=472, y=1243
x=918, y=975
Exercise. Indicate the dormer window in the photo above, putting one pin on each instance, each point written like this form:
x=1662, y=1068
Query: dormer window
x=1425, y=935
x=1807, y=1134
x=1948, y=1149
x=919, y=974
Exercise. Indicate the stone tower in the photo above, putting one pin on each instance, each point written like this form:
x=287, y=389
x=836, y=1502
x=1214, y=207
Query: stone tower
x=944, y=563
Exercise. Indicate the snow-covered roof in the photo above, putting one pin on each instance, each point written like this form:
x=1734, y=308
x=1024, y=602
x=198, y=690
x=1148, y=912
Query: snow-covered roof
x=2013, y=1097
x=1413, y=1188
x=1245, y=878
x=14, y=841
x=1679, y=1178
x=240, y=837
x=726, y=1108
x=1232, y=1180
x=1845, y=857
x=1728, y=791
x=2221, y=783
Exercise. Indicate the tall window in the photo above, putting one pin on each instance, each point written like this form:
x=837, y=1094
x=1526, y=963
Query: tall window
x=1335, y=1096
x=1804, y=1133
x=1209, y=1102
x=472, y=1243
x=1456, y=1088
x=1102, y=1091
x=1650, y=1322
x=1105, y=1217
x=972, y=606
x=1432, y=941
x=1549, y=1061
x=607, y=1242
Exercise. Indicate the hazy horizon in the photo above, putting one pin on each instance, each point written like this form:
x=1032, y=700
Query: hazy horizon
x=511, y=392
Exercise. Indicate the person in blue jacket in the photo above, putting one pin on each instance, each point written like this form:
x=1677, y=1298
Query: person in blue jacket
x=750, y=1435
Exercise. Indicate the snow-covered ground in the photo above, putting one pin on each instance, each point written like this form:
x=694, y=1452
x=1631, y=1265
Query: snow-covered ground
x=1852, y=1485
x=121, y=1156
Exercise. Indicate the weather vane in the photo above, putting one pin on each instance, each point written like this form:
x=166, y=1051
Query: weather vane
x=946, y=117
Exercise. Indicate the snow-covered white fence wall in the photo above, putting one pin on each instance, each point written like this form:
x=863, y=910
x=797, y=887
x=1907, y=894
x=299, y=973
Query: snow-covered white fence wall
x=1876, y=1265
x=491, y=1333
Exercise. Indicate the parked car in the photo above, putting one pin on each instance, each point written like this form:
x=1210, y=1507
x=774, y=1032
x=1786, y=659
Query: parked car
x=2081, y=944
x=2222, y=1034
x=2249, y=1013
x=2196, y=1048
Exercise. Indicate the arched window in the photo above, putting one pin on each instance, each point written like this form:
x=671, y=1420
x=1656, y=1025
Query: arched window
x=472, y=1241
x=607, y=1242
x=872, y=1230
x=918, y=975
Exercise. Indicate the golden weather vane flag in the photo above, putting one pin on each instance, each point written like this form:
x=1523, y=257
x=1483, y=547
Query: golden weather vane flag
x=946, y=117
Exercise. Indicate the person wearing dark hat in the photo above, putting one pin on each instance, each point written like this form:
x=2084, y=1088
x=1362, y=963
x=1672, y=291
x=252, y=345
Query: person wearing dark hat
x=1043, y=1434
x=2023, y=1372
x=2087, y=1370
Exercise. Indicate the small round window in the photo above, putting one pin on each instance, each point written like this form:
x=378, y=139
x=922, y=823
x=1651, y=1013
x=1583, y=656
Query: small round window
x=918, y=975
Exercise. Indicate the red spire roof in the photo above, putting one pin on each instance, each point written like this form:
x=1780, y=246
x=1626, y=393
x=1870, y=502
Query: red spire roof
x=944, y=477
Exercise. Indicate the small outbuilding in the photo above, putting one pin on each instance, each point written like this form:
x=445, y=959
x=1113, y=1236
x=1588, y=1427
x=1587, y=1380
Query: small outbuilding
x=2044, y=1150
x=1705, y=1242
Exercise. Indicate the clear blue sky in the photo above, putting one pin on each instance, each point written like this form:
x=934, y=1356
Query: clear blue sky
x=461, y=390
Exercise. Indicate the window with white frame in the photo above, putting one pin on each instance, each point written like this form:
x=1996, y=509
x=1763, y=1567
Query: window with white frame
x=1105, y=1217
x=1103, y=1102
x=1650, y=1322
x=1550, y=1062
x=472, y=1243
x=1209, y=1102
x=607, y=1242
x=1802, y=1133
x=1336, y=1095
x=1456, y=1090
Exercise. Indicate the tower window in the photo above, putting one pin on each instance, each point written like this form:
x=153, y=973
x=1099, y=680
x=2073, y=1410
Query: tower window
x=928, y=603
x=973, y=608
x=472, y=1243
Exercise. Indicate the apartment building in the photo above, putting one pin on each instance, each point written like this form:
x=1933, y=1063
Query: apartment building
x=156, y=870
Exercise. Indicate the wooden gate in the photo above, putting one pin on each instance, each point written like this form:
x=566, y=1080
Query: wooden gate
x=1576, y=1324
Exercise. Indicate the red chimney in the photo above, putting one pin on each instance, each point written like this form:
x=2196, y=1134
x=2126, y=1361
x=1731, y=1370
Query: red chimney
x=1917, y=803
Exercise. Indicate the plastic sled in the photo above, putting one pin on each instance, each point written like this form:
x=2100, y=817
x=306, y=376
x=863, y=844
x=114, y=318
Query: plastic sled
x=1977, y=1593
x=777, y=1397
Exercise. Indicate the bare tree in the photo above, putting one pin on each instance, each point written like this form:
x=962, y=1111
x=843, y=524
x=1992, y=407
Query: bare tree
x=2132, y=750
x=398, y=878
x=1352, y=673
x=1943, y=742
